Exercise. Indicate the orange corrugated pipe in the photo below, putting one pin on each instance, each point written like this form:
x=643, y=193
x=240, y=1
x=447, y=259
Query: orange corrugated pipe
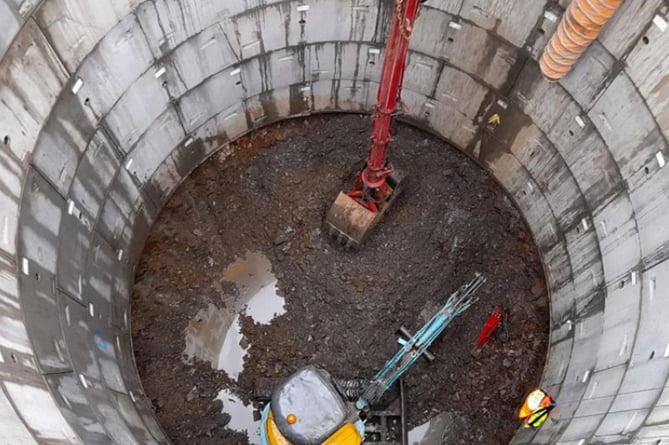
x=579, y=27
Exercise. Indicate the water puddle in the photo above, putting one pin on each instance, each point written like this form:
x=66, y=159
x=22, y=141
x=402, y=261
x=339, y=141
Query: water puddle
x=417, y=434
x=215, y=334
x=232, y=353
x=241, y=416
x=257, y=287
x=432, y=431
x=206, y=332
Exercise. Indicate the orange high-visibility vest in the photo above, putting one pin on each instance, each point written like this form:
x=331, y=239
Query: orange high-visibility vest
x=536, y=407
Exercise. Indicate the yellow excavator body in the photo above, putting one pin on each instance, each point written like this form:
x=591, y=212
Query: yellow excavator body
x=348, y=434
x=274, y=436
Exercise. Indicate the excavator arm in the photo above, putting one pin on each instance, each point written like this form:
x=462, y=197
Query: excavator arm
x=357, y=211
x=416, y=346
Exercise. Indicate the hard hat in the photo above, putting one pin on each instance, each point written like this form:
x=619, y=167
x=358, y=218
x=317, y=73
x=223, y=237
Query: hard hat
x=535, y=399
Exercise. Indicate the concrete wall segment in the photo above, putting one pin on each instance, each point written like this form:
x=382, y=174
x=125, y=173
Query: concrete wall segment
x=40, y=313
x=624, y=121
x=200, y=57
x=652, y=219
x=104, y=77
x=95, y=171
x=466, y=46
x=155, y=145
x=41, y=213
x=14, y=339
x=136, y=110
x=14, y=431
x=508, y=19
x=47, y=423
x=63, y=139
x=618, y=238
x=31, y=77
x=602, y=387
x=12, y=174
x=9, y=24
x=646, y=65
x=627, y=25
x=590, y=75
x=621, y=319
x=72, y=402
x=74, y=28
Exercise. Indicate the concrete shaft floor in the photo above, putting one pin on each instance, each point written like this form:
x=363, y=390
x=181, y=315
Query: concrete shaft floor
x=106, y=105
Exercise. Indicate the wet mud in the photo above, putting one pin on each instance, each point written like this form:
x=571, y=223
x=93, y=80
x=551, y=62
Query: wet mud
x=238, y=283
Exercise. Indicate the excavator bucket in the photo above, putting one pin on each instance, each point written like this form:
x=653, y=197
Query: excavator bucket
x=349, y=223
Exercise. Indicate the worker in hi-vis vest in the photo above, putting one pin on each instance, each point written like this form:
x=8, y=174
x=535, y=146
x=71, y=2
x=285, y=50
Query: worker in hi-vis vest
x=536, y=408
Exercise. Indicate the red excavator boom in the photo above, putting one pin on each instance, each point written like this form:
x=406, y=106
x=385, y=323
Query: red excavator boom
x=357, y=211
x=390, y=86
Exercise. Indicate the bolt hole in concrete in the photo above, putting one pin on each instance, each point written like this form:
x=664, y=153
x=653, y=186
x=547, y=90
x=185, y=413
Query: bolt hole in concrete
x=237, y=285
x=645, y=40
x=6, y=140
x=450, y=39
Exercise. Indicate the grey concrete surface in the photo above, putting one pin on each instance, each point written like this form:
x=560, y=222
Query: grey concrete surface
x=107, y=105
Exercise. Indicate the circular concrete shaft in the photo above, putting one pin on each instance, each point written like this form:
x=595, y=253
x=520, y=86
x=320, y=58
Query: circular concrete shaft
x=106, y=105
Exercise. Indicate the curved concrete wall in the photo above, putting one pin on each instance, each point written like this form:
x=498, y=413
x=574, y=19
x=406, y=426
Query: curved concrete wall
x=105, y=106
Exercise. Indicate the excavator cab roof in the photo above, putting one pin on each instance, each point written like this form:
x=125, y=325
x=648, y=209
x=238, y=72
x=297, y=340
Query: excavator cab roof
x=308, y=409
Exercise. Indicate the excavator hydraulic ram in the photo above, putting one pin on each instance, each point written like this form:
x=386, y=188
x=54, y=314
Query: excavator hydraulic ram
x=355, y=212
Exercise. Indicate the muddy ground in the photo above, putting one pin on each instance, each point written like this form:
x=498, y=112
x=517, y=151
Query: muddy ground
x=343, y=307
